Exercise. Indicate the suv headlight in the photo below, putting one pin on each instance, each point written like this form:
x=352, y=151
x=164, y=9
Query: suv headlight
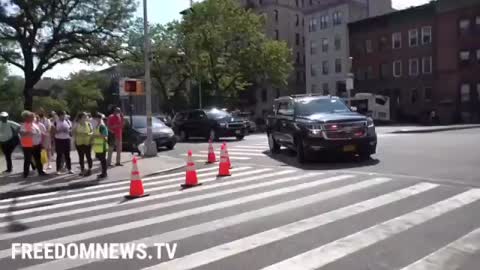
x=315, y=127
x=223, y=124
x=370, y=122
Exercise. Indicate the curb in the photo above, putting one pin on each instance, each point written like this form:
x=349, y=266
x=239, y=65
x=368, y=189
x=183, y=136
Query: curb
x=431, y=130
x=73, y=186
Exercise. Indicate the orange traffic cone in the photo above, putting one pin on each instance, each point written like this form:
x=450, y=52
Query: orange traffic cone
x=228, y=156
x=136, y=184
x=224, y=167
x=211, y=154
x=191, y=175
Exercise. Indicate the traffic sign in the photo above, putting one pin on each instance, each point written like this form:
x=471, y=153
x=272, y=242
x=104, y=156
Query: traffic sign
x=131, y=87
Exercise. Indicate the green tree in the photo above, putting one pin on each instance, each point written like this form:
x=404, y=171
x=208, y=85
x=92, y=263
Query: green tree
x=84, y=92
x=228, y=47
x=37, y=35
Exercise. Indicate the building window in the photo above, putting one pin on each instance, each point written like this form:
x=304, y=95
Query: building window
x=325, y=88
x=464, y=56
x=413, y=38
x=303, y=41
x=413, y=67
x=297, y=20
x=397, y=40
x=465, y=92
x=298, y=76
x=277, y=92
x=427, y=65
x=313, y=47
x=426, y=35
x=337, y=18
x=323, y=22
x=325, y=67
x=324, y=45
x=414, y=96
x=296, y=3
x=313, y=25
x=314, y=88
x=277, y=35
x=368, y=46
x=297, y=39
x=338, y=65
x=428, y=94
x=297, y=60
x=464, y=25
x=384, y=71
x=275, y=12
x=313, y=70
x=383, y=44
x=264, y=95
x=397, y=68
x=338, y=43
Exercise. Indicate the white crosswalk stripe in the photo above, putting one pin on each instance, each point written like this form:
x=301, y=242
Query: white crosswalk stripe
x=290, y=202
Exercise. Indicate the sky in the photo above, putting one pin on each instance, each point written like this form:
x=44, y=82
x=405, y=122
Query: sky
x=163, y=11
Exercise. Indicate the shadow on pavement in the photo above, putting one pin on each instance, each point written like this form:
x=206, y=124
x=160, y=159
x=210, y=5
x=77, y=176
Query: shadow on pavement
x=319, y=162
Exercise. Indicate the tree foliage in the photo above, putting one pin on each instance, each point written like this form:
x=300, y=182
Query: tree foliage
x=228, y=46
x=36, y=35
x=84, y=91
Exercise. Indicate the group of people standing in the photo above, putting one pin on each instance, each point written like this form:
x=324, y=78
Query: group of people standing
x=55, y=134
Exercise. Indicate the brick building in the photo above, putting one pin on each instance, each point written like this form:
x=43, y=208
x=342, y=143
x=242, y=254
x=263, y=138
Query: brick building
x=424, y=58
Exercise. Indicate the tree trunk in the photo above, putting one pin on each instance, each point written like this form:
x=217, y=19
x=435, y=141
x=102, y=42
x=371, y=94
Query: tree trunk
x=28, y=97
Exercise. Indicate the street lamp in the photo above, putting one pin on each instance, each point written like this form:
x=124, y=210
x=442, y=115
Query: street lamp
x=150, y=145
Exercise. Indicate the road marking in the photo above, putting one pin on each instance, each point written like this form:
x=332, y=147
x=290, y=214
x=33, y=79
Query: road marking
x=254, y=148
x=85, y=220
x=103, y=191
x=232, y=181
x=221, y=223
x=118, y=195
x=237, y=153
x=205, y=156
x=193, y=211
x=451, y=256
x=116, y=183
x=340, y=248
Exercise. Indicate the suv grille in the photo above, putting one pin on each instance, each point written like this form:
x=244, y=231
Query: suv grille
x=235, y=125
x=345, y=130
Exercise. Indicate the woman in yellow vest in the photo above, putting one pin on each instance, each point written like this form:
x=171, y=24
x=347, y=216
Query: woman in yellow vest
x=100, y=142
x=31, y=141
x=83, y=132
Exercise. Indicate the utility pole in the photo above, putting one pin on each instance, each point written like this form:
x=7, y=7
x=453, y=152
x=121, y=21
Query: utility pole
x=150, y=145
x=195, y=75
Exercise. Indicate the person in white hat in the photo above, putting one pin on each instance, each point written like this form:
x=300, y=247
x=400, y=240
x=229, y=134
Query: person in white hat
x=8, y=138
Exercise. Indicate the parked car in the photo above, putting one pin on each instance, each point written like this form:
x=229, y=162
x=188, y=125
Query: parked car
x=309, y=124
x=135, y=135
x=164, y=118
x=247, y=117
x=208, y=123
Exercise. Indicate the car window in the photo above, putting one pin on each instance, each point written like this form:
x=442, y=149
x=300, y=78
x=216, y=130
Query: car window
x=311, y=106
x=197, y=115
x=179, y=117
x=141, y=122
x=285, y=108
x=218, y=114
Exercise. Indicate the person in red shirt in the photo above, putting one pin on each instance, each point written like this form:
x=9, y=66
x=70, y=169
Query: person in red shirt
x=115, y=126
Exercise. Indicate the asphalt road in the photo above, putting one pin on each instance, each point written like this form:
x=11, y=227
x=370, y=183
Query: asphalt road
x=413, y=206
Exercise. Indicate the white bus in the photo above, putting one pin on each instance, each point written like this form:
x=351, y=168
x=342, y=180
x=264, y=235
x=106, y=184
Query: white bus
x=376, y=106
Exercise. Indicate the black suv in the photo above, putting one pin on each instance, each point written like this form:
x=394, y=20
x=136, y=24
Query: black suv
x=311, y=123
x=210, y=123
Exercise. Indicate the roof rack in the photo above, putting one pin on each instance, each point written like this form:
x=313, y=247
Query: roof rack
x=310, y=95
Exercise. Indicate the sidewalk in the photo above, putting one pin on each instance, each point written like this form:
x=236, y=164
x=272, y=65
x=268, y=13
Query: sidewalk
x=429, y=129
x=14, y=185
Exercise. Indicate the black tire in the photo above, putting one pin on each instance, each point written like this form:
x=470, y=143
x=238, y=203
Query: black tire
x=240, y=137
x=273, y=145
x=301, y=156
x=364, y=155
x=170, y=146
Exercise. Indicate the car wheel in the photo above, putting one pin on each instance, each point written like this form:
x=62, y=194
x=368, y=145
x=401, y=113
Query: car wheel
x=170, y=146
x=183, y=136
x=240, y=137
x=301, y=157
x=273, y=145
x=364, y=155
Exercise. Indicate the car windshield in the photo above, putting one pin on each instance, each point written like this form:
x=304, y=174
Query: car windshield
x=217, y=114
x=141, y=122
x=314, y=106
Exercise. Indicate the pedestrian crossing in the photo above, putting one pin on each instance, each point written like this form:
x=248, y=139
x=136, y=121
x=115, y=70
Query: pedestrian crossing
x=259, y=218
x=235, y=152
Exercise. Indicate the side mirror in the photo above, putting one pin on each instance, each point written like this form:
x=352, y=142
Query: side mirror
x=353, y=108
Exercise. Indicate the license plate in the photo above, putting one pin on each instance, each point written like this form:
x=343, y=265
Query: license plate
x=238, y=132
x=349, y=148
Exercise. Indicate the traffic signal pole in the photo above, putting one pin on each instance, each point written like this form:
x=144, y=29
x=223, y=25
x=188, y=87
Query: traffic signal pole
x=150, y=146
